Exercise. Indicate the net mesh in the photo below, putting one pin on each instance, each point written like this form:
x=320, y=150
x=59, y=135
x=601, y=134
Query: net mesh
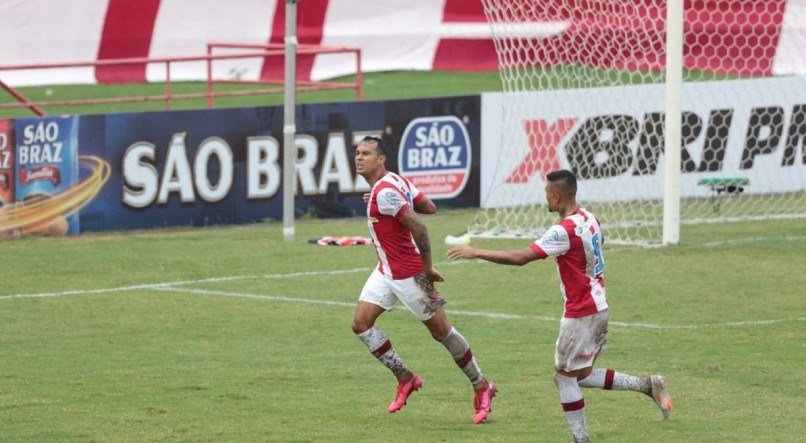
x=583, y=89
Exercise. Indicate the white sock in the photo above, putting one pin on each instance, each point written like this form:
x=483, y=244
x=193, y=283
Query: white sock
x=610, y=379
x=596, y=379
x=463, y=356
x=573, y=405
x=381, y=348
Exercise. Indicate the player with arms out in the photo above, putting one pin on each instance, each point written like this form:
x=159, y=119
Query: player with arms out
x=405, y=272
x=576, y=242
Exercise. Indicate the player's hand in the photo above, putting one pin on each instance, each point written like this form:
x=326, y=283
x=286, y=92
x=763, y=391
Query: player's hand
x=433, y=275
x=458, y=252
x=366, y=196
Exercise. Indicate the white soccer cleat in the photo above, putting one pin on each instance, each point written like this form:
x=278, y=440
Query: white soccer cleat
x=661, y=395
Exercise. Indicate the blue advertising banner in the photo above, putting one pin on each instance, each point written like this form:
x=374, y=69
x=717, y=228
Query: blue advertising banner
x=7, y=163
x=47, y=167
x=222, y=166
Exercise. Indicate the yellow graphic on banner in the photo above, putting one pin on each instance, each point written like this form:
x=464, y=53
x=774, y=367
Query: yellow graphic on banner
x=47, y=214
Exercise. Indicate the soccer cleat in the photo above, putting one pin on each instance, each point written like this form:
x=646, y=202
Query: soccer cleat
x=661, y=395
x=483, y=402
x=404, y=389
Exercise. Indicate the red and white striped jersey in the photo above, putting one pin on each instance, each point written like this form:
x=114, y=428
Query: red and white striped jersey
x=390, y=198
x=577, y=245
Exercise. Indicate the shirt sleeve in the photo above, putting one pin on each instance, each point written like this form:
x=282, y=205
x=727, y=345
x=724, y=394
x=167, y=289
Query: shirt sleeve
x=553, y=243
x=599, y=225
x=391, y=202
x=416, y=193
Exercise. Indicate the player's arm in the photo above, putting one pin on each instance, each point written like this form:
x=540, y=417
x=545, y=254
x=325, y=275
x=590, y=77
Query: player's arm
x=553, y=243
x=420, y=234
x=516, y=257
x=424, y=205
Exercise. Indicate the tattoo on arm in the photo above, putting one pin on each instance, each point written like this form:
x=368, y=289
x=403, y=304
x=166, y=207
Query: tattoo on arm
x=422, y=241
x=420, y=234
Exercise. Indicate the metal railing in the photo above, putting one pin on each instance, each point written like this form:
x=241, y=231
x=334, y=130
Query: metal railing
x=268, y=50
x=279, y=49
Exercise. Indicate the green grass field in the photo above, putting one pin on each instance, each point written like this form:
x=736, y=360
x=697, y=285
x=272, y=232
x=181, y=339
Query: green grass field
x=230, y=334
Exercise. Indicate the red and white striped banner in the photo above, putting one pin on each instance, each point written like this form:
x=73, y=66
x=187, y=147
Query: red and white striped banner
x=402, y=35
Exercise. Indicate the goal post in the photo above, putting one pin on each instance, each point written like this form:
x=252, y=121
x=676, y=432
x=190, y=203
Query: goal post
x=669, y=113
x=289, y=116
x=674, y=81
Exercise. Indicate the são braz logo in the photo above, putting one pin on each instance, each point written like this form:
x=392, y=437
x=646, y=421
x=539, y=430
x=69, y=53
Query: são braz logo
x=435, y=155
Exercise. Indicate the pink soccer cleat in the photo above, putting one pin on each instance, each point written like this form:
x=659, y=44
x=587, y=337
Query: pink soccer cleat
x=483, y=401
x=404, y=389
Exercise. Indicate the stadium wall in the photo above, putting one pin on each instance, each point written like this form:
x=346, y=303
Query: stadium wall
x=414, y=34
x=160, y=169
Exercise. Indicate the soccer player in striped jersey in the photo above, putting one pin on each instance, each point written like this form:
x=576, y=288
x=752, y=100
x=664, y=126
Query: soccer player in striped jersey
x=576, y=243
x=405, y=272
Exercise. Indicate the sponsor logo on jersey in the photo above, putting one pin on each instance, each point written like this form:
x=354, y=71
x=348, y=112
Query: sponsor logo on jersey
x=435, y=155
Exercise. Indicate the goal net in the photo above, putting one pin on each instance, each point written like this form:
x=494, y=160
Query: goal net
x=584, y=89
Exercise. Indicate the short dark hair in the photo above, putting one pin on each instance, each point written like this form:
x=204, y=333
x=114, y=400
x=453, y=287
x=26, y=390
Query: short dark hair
x=378, y=143
x=565, y=179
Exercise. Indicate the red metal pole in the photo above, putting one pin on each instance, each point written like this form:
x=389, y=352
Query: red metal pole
x=359, y=77
x=167, y=86
x=21, y=98
x=209, y=81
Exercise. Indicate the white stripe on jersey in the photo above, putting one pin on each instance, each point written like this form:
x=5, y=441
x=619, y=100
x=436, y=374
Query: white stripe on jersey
x=381, y=253
x=405, y=188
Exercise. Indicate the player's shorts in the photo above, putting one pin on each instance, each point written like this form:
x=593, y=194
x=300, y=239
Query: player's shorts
x=416, y=293
x=580, y=341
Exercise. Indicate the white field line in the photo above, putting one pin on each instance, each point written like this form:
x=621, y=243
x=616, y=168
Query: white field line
x=752, y=240
x=202, y=280
x=171, y=285
x=115, y=289
x=256, y=296
x=491, y=315
x=314, y=273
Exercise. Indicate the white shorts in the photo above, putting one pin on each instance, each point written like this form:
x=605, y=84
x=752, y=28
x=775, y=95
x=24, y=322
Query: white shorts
x=417, y=293
x=580, y=341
